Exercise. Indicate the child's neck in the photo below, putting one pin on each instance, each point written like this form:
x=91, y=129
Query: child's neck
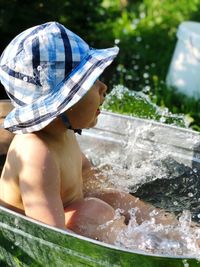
x=56, y=129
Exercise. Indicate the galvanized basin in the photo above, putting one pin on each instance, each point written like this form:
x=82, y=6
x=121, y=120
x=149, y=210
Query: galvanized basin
x=25, y=242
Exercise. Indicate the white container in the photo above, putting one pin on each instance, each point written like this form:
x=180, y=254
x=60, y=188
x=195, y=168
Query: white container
x=184, y=70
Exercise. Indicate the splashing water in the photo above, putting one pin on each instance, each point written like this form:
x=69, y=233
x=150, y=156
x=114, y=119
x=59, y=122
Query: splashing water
x=181, y=239
x=149, y=170
x=170, y=240
x=125, y=101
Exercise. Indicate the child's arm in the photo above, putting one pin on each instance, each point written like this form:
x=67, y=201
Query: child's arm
x=120, y=199
x=93, y=178
x=86, y=166
x=39, y=182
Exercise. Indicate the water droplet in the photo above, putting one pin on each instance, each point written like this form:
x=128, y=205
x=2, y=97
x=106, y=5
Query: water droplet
x=195, y=170
x=25, y=79
x=153, y=213
x=190, y=194
x=162, y=119
x=39, y=68
x=185, y=263
x=146, y=88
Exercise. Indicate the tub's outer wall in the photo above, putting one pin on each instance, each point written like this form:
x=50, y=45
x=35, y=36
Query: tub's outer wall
x=27, y=243
x=112, y=131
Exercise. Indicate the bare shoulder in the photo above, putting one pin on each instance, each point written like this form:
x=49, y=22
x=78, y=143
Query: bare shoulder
x=27, y=145
x=32, y=152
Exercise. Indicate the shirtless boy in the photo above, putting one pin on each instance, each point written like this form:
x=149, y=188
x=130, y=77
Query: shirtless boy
x=51, y=76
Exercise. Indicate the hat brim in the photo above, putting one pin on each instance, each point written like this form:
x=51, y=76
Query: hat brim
x=35, y=116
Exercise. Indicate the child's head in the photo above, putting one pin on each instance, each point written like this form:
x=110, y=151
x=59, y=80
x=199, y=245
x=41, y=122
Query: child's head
x=46, y=70
x=84, y=113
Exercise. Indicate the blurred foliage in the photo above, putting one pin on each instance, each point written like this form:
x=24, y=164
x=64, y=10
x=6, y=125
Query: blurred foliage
x=146, y=34
x=145, y=31
x=83, y=17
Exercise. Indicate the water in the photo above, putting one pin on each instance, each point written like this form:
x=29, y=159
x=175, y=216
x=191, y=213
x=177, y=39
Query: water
x=138, y=103
x=152, y=171
x=181, y=239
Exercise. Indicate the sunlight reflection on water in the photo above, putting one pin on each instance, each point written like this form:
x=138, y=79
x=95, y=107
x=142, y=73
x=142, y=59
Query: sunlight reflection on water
x=150, y=171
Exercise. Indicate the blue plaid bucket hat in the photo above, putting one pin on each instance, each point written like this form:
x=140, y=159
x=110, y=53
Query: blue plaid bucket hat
x=45, y=71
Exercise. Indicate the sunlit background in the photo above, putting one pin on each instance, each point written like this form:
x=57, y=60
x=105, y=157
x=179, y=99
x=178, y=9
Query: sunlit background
x=145, y=31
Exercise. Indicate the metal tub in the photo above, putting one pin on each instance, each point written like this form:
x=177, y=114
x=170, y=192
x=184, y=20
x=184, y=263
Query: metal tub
x=25, y=242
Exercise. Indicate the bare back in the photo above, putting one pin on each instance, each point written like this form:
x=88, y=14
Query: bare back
x=42, y=170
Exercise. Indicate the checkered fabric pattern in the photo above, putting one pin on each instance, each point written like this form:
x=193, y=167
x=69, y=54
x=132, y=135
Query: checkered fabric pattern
x=46, y=70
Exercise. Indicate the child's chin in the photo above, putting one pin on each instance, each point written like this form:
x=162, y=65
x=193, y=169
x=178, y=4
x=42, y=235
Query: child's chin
x=93, y=123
